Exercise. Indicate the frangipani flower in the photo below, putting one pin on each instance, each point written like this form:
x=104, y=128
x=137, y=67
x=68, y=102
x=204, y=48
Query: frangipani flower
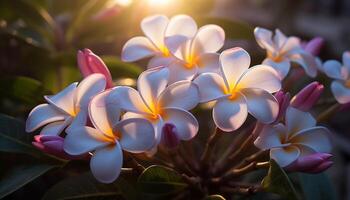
x=240, y=90
x=109, y=138
x=299, y=136
x=156, y=29
x=282, y=50
x=341, y=73
x=66, y=108
x=195, y=55
x=159, y=103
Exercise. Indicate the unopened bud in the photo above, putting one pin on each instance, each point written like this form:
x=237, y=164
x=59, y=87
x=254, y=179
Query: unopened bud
x=308, y=96
x=169, y=136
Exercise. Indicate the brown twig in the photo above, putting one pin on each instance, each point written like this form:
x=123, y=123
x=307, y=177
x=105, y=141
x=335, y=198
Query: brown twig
x=207, y=153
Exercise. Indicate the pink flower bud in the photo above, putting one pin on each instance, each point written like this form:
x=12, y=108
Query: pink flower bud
x=283, y=100
x=314, y=163
x=314, y=46
x=90, y=63
x=307, y=97
x=54, y=145
x=107, y=13
x=169, y=136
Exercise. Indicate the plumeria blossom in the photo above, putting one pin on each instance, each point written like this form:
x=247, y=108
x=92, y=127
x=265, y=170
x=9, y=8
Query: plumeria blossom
x=66, y=108
x=161, y=103
x=282, y=50
x=240, y=90
x=156, y=29
x=341, y=73
x=298, y=137
x=195, y=55
x=109, y=137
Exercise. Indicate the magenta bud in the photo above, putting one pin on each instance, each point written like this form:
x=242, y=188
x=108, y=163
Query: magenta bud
x=314, y=46
x=314, y=163
x=53, y=145
x=308, y=96
x=169, y=136
x=107, y=13
x=89, y=63
x=283, y=100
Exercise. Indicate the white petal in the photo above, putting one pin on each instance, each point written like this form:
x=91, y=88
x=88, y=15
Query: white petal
x=307, y=62
x=282, y=67
x=157, y=123
x=182, y=94
x=178, y=72
x=55, y=128
x=333, y=69
x=316, y=138
x=154, y=28
x=261, y=104
x=285, y=156
x=264, y=38
x=137, y=48
x=279, y=39
x=297, y=120
x=106, y=163
x=160, y=61
x=179, y=46
x=137, y=135
x=340, y=92
x=79, y=120
x=186, y=124
x=209, y=39
x=208, y=62
x=291, y=45
x=104, y=112
x=89, y=87
x=234, y=62
x=64, y=100
x=181, y=25
x=269, y=137
x=151, y=83
x=346, y=59
x=128, y=99
x=261, y=76
x=211, y=86
x=84, y=139
x=229, y=115
x=43, y=114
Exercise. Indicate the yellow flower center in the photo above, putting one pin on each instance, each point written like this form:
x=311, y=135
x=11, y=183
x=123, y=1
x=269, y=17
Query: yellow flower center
x=275, y=57
x=191, y=61
x=165, y=51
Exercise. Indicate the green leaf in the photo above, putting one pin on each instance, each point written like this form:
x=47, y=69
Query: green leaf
x=23, y=89
x=278, y=182
x=233, y=29
x=214, y=197
x=86, y=186
x=13, y=138
x=316, y=186
x=19, y=176
x=121, y=69
x=158, y=180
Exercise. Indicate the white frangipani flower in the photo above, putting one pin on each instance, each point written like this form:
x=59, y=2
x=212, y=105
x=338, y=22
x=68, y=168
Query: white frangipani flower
x=240, y=90
x=109, y=138
x=159, y=103
x=195, y=55
x=156, y=29
x=341, y=73
x=282, y=50
x=298, y=137
x=68, y=107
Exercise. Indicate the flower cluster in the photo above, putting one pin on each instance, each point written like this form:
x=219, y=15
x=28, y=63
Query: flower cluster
x=98, y=121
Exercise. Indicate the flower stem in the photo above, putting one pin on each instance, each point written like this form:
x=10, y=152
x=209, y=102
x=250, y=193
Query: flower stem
x=206, y=155
x=324, y=116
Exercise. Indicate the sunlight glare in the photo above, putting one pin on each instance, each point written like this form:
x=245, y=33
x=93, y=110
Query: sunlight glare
x=123, y=2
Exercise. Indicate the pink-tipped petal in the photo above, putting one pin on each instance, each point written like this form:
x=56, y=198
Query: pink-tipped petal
x=314, y=46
